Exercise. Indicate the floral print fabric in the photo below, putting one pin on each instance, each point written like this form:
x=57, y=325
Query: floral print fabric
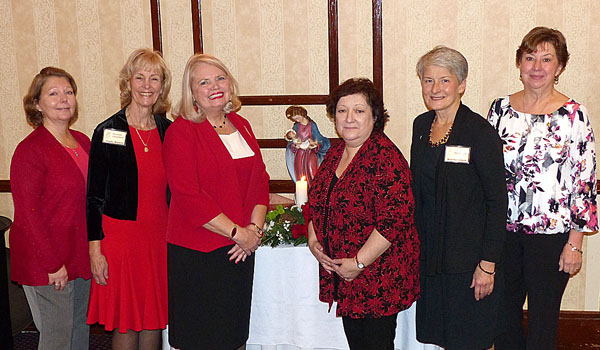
x=550, y=165
x=374, y=192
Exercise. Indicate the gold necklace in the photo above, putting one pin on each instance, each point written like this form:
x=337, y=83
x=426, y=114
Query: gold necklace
x=146, y=149
x=443, y=140
x=72, y=149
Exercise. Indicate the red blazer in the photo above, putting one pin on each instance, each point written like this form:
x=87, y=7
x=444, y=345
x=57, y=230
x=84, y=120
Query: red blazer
x=203, y=181
x=49, y=227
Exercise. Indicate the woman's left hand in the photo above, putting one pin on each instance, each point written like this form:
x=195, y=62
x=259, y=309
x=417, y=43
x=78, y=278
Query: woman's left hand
x=346, y=268
x=571, y=260
x=237, y=254
x=483, y=283
x=59, y=279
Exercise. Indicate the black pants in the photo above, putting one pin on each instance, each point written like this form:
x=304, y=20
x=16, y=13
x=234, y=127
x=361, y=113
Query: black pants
x=531, y=269
x=370, y=333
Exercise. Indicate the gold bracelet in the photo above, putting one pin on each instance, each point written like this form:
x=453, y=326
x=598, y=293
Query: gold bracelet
x=574, y=248
x=258, y=228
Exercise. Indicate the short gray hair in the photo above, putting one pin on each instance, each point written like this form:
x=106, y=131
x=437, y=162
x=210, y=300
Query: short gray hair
x=444, y=57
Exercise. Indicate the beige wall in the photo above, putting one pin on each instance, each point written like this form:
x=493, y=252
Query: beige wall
x=280, y=47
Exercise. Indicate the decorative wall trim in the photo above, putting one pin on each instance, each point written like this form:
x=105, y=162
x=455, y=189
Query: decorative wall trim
x=156, y=26
x=334, y=55
x=197, y=26
x=377, y=46
x=257, y=100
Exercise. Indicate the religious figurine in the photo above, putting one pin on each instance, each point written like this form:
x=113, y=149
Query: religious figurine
x=306, y=147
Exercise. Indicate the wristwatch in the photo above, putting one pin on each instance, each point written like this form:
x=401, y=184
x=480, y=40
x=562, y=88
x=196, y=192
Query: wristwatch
x=360, y=265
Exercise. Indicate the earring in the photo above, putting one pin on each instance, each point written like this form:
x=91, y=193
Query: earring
x=228, y=107
x=556, y=80
x=520, y=77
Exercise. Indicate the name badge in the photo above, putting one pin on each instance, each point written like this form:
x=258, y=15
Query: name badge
x=457, y=154
x=114, y=137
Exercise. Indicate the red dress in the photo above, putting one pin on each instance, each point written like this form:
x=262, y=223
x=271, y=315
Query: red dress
x=135, y=296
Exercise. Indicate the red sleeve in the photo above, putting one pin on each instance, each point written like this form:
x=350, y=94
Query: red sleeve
x=181, y=161
x=392, y=196
x=28, y=183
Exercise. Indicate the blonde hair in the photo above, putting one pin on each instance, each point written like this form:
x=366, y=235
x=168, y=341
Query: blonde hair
x=142, y=59
x=186, y=108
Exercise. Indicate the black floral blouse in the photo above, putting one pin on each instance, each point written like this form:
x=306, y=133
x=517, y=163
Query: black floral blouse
x=373, y=193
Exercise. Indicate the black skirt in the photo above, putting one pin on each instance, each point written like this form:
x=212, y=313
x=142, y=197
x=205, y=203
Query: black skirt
x=209, y=299
x=449, y=316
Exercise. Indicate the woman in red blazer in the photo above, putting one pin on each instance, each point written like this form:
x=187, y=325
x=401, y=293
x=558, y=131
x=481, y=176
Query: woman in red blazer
x=220, y=193
x=49, y=254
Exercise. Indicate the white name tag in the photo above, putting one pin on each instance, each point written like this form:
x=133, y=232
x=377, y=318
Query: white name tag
x=114, y=137
x=457, y=154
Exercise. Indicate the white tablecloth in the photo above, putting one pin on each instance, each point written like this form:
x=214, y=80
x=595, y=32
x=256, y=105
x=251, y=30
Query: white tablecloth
x=286, y=311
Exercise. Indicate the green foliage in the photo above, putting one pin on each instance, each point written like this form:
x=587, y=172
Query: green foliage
x=279, y=224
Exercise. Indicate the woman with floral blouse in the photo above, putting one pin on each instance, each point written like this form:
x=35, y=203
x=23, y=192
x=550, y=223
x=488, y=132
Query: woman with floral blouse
x=551, y=180
x=361, y=227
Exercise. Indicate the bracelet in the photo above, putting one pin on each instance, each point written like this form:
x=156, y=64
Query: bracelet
x=488, y=272
x=259, y=229
x=574, y=248
x=234, y=231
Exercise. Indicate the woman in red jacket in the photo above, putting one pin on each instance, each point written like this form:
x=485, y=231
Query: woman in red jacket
x=49, y=254
x=220, y=193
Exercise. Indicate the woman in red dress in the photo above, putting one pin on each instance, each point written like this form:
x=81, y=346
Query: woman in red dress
x=127, y=208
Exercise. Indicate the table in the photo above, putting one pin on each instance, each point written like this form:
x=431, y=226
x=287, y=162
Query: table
x=286, y=311
x=287, y=314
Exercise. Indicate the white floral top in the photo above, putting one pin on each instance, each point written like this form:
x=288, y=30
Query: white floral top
x=550, y=165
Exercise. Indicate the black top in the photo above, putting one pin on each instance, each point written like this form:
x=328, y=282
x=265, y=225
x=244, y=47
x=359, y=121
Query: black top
x=469, y=209
x=431, y=156
x=112, y=185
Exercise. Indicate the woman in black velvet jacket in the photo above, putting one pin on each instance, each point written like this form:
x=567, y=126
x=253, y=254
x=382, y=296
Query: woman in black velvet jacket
x=127, y=208
x=460, y=209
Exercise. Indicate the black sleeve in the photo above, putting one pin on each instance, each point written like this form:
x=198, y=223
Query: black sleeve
x=96, y=187
x=489, y=164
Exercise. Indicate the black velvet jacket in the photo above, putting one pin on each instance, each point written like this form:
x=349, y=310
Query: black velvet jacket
x=112, y=186
x=470, y=199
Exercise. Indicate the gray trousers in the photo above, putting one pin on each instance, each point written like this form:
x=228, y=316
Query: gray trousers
x=60, y=316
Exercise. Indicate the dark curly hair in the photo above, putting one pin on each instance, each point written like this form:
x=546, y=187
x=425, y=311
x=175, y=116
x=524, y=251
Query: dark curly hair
x=366, y=88
x=34, y=117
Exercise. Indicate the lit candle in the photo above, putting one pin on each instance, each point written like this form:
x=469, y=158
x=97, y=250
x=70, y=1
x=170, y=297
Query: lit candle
x=301, y=191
